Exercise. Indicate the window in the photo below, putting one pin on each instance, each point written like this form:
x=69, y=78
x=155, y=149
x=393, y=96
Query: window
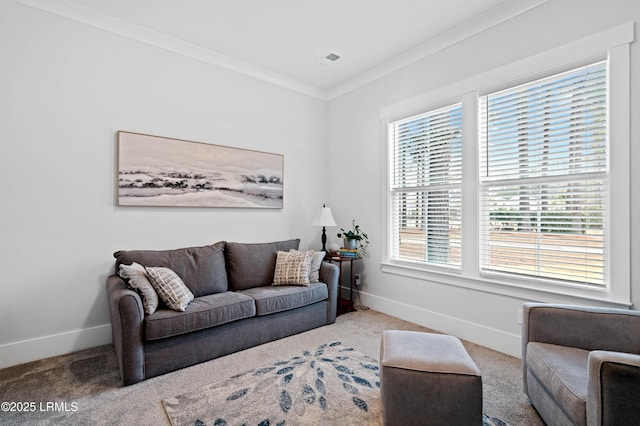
x=543, y=177
x=521, y=185
x=425, y=180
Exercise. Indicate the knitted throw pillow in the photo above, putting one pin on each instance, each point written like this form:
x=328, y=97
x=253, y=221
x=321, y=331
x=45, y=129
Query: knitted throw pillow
x=292, y=268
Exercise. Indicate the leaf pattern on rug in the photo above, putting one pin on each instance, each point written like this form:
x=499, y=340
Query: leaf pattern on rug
x=373, y=367
x=308, y=394
x=262, y=371
x=343, y=369
x=360, y=403
x=284, y=370
x=344, y=378
x=286, y=379
x=237, y=394
x=285, y=401
x=351, y=389
x=361, y=381
x=322, y=402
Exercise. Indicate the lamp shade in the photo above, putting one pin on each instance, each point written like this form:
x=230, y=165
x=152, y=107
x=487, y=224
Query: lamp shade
x=324, y=218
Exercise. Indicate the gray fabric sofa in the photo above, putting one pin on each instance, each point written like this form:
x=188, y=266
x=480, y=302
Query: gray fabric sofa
x=235, y=307
x=581, y=365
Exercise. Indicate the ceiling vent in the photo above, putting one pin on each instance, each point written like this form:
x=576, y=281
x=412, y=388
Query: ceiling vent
x=332, y=57
x=329, y=59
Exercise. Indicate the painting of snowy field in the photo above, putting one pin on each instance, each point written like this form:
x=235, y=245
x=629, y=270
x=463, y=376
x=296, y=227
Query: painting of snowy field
x=159, y=171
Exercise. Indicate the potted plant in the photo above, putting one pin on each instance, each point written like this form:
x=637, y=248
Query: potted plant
x=355, y=238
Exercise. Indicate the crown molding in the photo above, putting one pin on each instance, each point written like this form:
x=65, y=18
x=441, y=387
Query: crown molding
x=139, y=33
x=75, y=12
x=505, y=11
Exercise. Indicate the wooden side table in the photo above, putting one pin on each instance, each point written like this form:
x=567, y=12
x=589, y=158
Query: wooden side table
x=344, y=305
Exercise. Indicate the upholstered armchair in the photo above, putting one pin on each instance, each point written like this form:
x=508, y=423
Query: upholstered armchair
x=581, y=365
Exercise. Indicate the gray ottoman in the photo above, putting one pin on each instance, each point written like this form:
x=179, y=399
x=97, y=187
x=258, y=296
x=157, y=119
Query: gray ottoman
x=428, y=379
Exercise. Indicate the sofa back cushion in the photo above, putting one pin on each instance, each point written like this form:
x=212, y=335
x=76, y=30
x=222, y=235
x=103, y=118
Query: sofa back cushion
x=201, y=268
x=253, y=265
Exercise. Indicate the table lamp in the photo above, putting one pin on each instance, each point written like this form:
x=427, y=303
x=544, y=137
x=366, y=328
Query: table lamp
x=324, y=219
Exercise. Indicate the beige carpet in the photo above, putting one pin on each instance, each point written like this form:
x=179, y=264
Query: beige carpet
x=84, y=388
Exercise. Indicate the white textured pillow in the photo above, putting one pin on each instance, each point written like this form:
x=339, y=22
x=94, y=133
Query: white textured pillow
x=292, y=268
x=136, y=277
x=170, y=287
x=316, y=262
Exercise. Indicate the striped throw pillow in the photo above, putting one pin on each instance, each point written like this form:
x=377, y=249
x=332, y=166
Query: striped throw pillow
x=171, y=289
x=292, y=268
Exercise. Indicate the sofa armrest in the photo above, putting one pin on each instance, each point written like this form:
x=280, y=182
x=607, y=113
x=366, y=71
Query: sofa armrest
x=329, y=274
x=583, y=327
x=613, y=388
x=127, y=316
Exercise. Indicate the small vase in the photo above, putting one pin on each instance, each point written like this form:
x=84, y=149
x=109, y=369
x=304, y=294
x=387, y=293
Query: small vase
x=350, y=244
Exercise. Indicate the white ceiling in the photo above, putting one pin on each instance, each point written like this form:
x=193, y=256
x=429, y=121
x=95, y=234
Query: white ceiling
x=285, y=39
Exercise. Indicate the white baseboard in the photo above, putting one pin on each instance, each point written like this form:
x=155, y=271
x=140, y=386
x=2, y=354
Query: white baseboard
x=498, y=340
x=56, y=344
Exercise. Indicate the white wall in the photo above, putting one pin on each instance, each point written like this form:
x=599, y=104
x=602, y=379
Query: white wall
x=65, y=90
x=354, y=137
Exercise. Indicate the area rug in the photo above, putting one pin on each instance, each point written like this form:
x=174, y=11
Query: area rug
x=332, y=384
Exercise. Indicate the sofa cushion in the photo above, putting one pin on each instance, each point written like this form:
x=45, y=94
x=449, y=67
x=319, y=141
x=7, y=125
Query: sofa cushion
x=201, y=268
x=253, y=265
x=137, y=279
x=203, y=312
x=292, y=267
x=563, y=371
x=270, y=300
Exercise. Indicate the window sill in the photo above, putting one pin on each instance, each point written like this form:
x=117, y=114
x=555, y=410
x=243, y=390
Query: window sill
x=510, y=287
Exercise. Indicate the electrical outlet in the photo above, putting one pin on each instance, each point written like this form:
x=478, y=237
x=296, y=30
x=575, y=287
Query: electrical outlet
x=519, y=318
x=356, y=280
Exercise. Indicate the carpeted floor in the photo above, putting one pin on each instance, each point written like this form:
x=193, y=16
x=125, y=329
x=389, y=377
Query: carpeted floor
x=84, y=388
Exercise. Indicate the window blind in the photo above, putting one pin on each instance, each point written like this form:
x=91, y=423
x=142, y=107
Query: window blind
x=543, y=177
x=425, y=186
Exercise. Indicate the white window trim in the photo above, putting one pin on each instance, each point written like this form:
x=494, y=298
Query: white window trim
x=612, y=44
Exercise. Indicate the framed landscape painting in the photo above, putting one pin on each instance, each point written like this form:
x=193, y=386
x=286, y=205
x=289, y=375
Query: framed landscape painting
x=159, y=171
